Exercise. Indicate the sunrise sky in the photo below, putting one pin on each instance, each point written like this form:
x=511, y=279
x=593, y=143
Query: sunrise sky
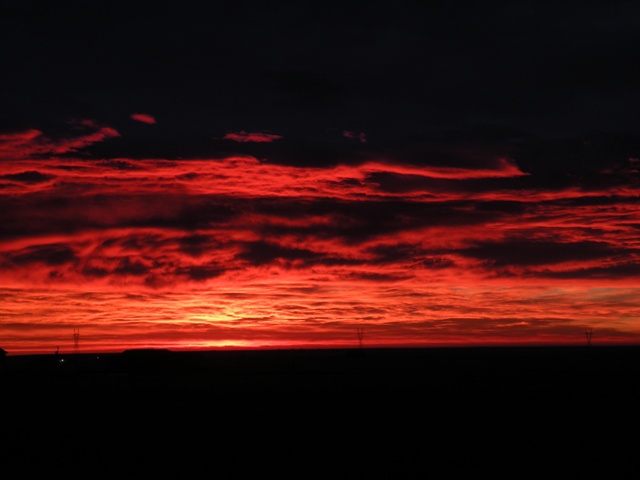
x=280, y=175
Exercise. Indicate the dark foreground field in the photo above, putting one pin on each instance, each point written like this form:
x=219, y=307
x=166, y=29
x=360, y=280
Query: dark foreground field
x=373, y=413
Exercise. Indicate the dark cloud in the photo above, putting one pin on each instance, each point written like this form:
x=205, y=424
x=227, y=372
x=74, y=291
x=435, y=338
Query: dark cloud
x=261, y=253
x=64, y=214
x=391, y=182
x=317, y=152
x=95, y=271
x=587, y=153
x=135, y=241
x=474, y=146
x=623, y=270
x=505, y=207
x=196, y=245
x=416, y=254
x=530, y=252
x=29, y=177
x=395, y=252
x=309, y=88
x=377, y=277
x=119, y=164
x=401, y=75
x=202, y=272
x=51, y=255
x=435, y=262
x=127, y=266
x=181, y=212
x=356, y=222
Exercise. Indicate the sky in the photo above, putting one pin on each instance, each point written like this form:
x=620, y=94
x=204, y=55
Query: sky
x=205, y=175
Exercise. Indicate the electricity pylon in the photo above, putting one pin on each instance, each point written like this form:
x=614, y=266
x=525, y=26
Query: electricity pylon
x=360, y=336
x=588, y=333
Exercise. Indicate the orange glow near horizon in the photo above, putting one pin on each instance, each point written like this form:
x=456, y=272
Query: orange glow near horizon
x=241, y=253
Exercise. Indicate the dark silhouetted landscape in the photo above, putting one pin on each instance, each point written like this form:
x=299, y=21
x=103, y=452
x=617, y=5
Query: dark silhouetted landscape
x=539, y=412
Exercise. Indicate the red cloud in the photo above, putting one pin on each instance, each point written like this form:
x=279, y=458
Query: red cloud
x=74, y=144
x=301, y=255
x=503, y=168
x=32, y=142
x=355, y=135
x=245, y=137
x=17, y=144
x=143, y=117
x=9, y=139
